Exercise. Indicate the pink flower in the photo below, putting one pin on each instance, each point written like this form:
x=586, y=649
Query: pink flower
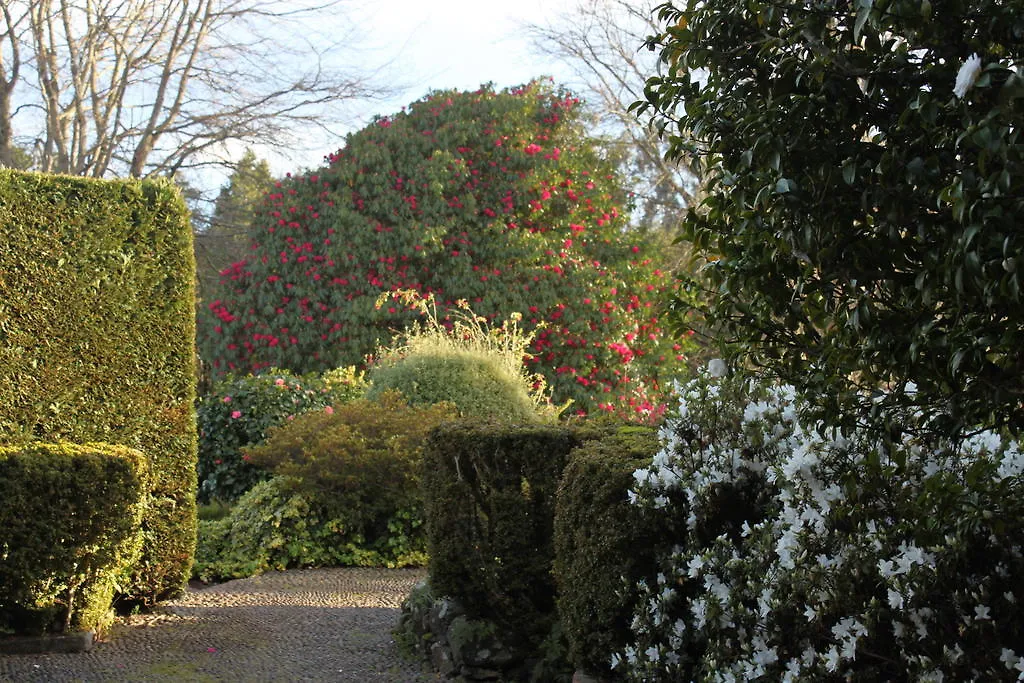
x=227, y=399
x=237, y=414
x=329, y=410
x=279, y=382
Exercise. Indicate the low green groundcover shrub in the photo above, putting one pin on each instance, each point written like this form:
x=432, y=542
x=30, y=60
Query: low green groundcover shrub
x=272, y=526
x=239, y=411
x=70, y=520
x=346, y=493
x=810, y=554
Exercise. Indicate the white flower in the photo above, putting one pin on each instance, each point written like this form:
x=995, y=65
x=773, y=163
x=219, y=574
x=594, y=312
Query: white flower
x=1012, y=464
x=967, y=75
x=717, y=367
x=847, y=631
x=832, y=659
x=981, y=613
x=715, y=586
x=699, y=607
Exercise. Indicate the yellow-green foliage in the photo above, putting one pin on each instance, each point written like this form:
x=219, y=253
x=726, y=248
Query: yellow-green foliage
x=362, y=460
x=347, y=493
x=476, y=366
x=97, y=329
x=70, y=519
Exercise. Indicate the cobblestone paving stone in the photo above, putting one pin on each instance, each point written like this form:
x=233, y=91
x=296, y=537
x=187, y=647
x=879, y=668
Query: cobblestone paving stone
x=296, y=625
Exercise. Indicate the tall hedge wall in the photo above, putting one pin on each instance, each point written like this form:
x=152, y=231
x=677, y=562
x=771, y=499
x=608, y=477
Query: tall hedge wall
x=97, y=341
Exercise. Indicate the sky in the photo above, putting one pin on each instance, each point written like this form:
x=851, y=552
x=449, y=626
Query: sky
x=425, y=45
x=462, y=43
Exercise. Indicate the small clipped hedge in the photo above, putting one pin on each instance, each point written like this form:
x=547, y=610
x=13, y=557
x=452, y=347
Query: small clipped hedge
x=477, y=383
x=603, y=544
x=240, y=411
x=70, y=519
x=489, y=493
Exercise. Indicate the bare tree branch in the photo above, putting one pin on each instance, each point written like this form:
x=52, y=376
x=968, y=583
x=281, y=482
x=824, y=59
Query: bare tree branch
x=601, y=41
x=144, y=87
x=10, y=71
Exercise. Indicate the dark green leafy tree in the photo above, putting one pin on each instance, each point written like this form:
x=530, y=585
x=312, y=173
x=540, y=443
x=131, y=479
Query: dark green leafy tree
x=865, y=185
x=228, y=236
x=498, y=199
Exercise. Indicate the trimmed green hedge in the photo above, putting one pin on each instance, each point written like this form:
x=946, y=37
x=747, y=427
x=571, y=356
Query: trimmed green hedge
x=603, y=544
x=97, y=335
x=70, y=519
x=489, y=494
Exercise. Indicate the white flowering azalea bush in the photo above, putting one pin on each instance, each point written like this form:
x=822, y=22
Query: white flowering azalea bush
x=816, y=555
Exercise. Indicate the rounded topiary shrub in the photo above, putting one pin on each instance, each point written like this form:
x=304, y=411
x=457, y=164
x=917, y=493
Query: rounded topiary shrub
x=466, y=360
x=475, y=383
x=239, y=411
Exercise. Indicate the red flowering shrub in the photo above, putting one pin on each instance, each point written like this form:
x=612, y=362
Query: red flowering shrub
x=498, y=198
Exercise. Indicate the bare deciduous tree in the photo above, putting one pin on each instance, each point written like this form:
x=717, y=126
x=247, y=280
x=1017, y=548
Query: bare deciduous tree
x=10, y=72
x=147, y=87
x=602, y=41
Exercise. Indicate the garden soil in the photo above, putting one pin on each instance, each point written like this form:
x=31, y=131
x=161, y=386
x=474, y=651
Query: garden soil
x=296, y=625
